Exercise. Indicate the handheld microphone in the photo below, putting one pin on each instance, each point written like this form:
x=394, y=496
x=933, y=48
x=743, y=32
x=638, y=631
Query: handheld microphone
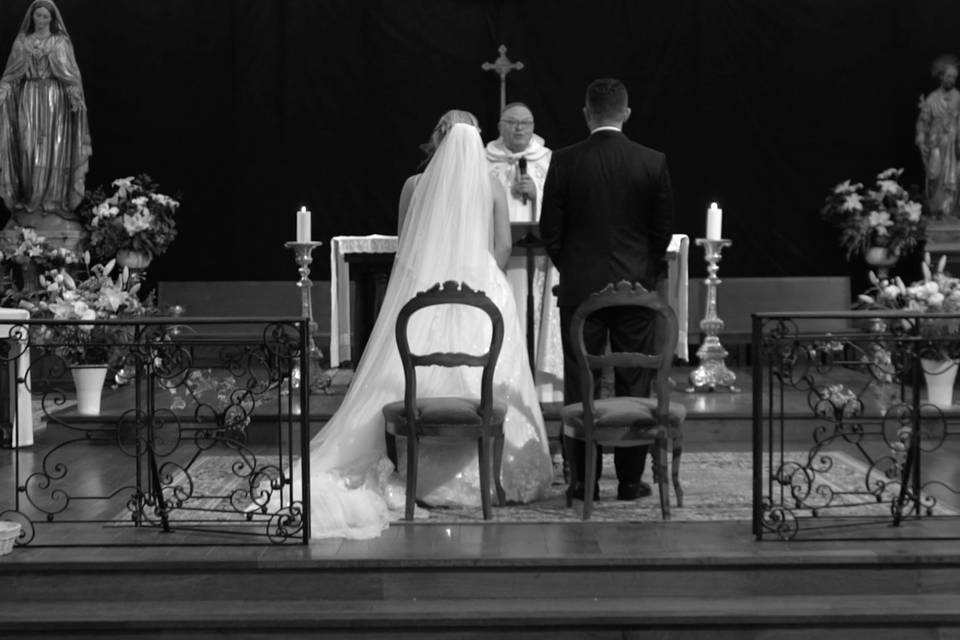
x=522, y=167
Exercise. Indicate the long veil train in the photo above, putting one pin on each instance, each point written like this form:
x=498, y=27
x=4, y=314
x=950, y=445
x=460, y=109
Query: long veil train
x=447, y=235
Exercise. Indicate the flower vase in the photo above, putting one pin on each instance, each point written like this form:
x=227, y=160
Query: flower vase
x=31, y=279
x=133, y=260
x=881, y=259
x=88, y=380
x=939, y=376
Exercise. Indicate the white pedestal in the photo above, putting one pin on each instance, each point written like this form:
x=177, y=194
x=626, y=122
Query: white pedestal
x=21, y=406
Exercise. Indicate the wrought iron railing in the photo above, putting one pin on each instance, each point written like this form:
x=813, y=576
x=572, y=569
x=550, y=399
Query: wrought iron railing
x=844, y=430
x=201, y=431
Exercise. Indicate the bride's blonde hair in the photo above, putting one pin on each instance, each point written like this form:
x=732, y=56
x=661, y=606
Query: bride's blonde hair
x=446, y=121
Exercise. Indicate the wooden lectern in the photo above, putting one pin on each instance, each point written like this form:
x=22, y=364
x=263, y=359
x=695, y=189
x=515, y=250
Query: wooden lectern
x=525, y=238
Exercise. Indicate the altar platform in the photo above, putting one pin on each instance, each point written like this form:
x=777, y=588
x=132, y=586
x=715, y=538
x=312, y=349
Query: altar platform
x=673, y=580
x=722, y=415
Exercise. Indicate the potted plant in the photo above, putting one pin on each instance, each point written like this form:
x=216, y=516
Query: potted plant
x=937, y=294
x=880, y=223
x=103, y=293
x=130, y=221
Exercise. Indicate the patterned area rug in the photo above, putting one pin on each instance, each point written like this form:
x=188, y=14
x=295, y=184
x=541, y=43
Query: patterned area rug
x=716, y=486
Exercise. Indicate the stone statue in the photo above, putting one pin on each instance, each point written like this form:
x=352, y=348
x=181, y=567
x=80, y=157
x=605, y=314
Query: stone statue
x=937, y=127
x=44, y=137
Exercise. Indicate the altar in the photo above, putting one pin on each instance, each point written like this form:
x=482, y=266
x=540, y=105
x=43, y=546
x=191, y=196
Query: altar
x=345, y=250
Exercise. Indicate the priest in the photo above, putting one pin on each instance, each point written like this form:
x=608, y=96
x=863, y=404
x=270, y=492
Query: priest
x=519, y=159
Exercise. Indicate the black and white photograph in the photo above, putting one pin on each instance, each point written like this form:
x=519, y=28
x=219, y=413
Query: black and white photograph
x=440, y=319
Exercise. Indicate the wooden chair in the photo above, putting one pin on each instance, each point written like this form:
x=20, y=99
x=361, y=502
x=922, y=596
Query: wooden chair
x=627, y=421
x=480, y=419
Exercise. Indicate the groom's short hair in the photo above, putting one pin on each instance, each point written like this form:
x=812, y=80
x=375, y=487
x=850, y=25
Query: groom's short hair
x=606, y=99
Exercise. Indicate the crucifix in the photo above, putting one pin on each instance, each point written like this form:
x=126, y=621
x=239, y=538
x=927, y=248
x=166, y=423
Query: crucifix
x=502, y=66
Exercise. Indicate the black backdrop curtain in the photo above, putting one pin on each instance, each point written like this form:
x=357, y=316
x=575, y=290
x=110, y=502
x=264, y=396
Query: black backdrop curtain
x=252, y=108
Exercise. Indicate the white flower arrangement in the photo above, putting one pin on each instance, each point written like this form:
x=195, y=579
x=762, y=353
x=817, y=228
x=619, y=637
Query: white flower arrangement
x=27, y=245
x=132, y=216
x=937, y=293
x=884, y=216
x=99, y=296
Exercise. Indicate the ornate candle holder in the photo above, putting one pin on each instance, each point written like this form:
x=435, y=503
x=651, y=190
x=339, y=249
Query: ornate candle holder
x=712, y=372
x=303, y=254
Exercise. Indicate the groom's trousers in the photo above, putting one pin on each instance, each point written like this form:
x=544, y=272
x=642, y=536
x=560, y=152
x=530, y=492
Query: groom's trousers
x=626, y=329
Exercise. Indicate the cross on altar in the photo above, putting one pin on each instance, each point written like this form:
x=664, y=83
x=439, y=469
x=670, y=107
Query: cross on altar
x=502, y=66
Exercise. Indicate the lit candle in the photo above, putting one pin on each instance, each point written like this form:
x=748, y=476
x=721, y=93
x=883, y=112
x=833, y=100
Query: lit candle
x=303, y=225
x=714, y=222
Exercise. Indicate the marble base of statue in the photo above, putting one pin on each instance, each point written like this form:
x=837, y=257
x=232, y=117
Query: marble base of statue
x=59, y=232
x=943, y=239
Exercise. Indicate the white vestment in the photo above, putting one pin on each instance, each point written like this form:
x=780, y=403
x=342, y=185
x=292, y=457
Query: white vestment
x=548, y=352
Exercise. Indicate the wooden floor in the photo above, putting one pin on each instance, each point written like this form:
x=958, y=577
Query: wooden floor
x=583, y=580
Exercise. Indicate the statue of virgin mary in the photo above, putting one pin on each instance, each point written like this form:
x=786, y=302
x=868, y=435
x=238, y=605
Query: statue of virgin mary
x=44, y=136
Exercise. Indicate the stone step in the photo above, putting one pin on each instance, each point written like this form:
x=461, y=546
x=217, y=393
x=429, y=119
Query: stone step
x=732, y=575
x=770, y=616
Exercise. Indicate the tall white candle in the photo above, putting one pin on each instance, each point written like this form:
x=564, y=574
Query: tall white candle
x=714, y=222
x=303, y=225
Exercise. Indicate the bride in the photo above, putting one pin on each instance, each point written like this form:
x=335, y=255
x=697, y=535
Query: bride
x=449, y=215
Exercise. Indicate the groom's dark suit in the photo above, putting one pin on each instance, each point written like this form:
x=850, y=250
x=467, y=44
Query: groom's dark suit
x=607, y=216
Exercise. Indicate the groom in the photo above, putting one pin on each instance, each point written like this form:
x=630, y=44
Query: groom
x=607, y=216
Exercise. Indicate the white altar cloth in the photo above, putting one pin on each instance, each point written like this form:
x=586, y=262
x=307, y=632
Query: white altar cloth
x=678, y=289
x=340, y=350
x=21, y=406
x=340, y=246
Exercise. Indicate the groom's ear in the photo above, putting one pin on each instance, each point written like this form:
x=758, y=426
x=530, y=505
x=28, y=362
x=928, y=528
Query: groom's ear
x=626, y=113
x=586, y=117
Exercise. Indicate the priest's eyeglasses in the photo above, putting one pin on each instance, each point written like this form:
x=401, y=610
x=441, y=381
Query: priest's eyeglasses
x=514, y=124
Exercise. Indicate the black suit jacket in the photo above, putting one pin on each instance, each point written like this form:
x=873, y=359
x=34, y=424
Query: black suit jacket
x=607, y=214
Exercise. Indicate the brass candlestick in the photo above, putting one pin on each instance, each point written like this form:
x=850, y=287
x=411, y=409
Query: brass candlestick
x=712, y=372
x=303, y=255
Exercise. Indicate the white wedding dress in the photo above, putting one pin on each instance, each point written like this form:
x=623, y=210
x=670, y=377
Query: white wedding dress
x=447, y=234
